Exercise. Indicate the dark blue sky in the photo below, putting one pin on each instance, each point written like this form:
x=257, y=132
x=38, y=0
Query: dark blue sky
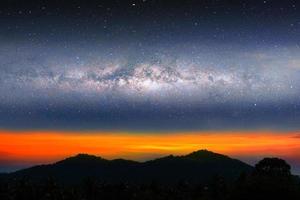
x=150, y=65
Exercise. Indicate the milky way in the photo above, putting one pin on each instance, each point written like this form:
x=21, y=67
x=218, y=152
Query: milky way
x=254, y=77
x=68, y=70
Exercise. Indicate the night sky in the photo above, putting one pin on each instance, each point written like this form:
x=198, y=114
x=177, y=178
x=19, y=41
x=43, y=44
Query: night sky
x=150, y=66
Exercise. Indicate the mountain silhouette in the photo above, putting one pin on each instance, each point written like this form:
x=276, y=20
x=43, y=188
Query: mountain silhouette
x=199, y=166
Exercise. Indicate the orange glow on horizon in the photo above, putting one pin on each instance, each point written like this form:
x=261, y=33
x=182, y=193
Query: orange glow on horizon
x=48, y=146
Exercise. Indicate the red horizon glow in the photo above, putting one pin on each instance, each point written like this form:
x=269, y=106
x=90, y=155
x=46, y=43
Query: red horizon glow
x=48, y=146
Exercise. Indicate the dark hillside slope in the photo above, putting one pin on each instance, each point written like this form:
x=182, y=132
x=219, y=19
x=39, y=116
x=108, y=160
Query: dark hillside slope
x=199, y=166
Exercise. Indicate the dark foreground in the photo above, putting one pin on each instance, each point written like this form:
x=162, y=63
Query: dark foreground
x=270, y=179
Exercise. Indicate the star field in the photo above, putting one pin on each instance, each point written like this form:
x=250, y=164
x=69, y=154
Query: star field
x=150, y=65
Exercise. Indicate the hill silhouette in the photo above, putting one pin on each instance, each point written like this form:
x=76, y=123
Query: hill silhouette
x=201, y=175
x=199, y=166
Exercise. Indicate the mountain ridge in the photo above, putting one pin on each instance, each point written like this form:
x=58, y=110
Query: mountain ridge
x=198, y=166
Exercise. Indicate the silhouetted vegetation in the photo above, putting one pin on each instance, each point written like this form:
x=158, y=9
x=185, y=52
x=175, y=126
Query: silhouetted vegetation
x=270, y=179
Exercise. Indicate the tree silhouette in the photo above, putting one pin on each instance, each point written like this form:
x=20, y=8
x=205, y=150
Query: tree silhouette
x=273, y=167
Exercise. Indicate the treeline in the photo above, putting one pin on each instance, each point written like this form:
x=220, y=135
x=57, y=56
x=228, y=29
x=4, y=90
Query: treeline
x=271, y=179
